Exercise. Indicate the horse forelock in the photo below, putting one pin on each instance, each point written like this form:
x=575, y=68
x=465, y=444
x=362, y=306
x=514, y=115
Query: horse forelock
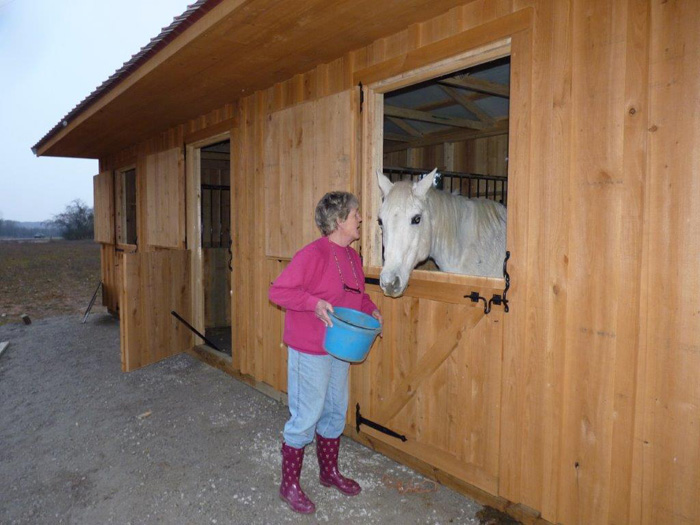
x=401, y=198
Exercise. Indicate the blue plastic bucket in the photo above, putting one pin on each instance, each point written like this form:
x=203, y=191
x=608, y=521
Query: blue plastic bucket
x=351, y=335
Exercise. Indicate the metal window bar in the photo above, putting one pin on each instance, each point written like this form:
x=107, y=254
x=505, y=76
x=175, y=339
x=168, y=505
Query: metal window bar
x=217, y=237
x=469, y=184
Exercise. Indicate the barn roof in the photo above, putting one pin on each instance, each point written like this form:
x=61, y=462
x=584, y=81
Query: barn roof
x=216, y=52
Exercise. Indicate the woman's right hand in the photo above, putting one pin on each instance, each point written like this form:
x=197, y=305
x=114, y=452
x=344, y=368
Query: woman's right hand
x=322, y=312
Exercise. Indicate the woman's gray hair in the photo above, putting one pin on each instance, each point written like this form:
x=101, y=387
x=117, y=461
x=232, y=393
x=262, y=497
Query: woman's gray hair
x=333, y=207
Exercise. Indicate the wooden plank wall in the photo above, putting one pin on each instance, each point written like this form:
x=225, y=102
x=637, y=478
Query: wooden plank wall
x=307, y=153
x=211, y=123
x=165, y=199
x=600, y=411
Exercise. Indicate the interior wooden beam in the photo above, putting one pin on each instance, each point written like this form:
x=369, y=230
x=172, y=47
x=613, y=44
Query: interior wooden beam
x=466, y=103
x=424, y=116
x=438, y=104
x=500, y=128
x=446, y=103
x=477, y=84
x=406, y=127
x=397, y=137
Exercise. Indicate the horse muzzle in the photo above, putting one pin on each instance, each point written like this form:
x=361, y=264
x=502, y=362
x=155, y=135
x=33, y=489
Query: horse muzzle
x=393, y=288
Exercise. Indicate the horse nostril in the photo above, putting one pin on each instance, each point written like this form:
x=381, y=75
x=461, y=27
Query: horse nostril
x=396, y=284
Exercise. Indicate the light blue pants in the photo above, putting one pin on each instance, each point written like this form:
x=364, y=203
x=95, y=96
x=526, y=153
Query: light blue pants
x=317, y=390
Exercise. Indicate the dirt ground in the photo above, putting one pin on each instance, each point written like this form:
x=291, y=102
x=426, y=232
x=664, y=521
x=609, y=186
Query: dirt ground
x=176, y=442
x=43, y=278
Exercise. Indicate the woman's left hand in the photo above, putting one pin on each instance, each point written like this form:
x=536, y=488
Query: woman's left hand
x=378, y=316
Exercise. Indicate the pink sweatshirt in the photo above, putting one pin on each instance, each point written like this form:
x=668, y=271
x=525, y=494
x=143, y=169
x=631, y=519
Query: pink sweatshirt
x=312, y=275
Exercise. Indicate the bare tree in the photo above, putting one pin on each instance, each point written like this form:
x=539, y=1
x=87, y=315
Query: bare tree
x=76, y=222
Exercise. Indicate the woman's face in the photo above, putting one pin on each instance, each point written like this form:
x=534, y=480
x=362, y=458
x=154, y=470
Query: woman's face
x=350, y=227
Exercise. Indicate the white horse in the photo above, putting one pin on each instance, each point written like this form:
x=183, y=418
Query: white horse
x=461, y=235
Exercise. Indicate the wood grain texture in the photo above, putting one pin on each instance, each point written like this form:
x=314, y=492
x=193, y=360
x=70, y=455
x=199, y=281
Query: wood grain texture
x=103, y=191
x=307, y=153
x=165, y=199
x=154, y=284
x=671, y=328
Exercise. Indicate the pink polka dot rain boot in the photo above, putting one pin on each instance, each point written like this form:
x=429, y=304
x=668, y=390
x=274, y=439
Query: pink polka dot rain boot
x=290, y=490
x=329, y=476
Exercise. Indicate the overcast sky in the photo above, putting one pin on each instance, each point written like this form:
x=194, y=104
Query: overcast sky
x=53, y=53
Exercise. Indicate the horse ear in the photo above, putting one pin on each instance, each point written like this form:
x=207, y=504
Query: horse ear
x=420, y=189
x=384, y=183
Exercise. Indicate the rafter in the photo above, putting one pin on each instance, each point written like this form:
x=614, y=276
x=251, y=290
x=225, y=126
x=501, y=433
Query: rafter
x=477, y=84
x=397, y=137
x=423, y=116
x=499, y=128
x=438, y=104
x=406, y=127
x=465, y=102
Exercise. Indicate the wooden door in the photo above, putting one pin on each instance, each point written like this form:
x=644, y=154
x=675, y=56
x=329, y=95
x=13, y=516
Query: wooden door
x=154, y=284
x=435, y=378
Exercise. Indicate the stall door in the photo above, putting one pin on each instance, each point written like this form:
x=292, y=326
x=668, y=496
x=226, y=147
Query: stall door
x=433, y=381
x=154, y=284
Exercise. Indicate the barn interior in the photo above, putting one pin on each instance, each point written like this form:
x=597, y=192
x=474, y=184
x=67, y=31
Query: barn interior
x=217, y=258
x=457, y=123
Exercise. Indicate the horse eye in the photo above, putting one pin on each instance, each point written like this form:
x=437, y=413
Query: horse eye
x=379, y=221
x=415, y=219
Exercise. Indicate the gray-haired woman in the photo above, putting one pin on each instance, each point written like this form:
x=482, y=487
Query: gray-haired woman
x=323, y=274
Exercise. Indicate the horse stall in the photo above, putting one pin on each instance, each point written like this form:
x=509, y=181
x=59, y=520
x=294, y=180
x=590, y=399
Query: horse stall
x=563, y=386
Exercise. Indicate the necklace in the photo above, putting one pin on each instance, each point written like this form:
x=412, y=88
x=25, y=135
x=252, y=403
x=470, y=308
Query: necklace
x=352, y=265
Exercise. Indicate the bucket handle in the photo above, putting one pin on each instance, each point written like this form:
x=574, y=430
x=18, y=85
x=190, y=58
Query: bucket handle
x=355, y=325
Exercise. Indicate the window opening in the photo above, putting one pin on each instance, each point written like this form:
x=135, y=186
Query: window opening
x=215, y=190
x=126, y=207
x=457, y=123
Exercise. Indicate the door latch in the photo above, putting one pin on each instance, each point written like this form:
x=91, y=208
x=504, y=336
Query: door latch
x=497, y=299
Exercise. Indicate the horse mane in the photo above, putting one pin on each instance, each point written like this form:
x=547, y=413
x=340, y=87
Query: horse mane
x=468, y=234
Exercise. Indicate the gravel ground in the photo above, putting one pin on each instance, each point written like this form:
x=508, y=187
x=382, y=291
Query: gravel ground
x=73, y=448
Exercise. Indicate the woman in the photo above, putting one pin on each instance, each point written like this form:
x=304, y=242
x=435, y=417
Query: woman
x=323, y=274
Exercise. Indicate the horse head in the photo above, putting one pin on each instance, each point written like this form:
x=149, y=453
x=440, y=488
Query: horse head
x=406, y=229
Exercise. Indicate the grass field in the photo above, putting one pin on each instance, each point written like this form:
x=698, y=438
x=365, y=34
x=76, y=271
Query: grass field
x=47, y=278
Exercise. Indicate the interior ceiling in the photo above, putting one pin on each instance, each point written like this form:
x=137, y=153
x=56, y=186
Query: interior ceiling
x=219, y=147
x=459, y=106
x=255, y=45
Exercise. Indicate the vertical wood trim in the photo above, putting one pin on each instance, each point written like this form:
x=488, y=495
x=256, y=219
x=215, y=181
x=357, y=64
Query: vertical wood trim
x=671, y=477
x=193, y=176
x=513, y=400
x=627, y=436
x=103, y=190
x=372, y=140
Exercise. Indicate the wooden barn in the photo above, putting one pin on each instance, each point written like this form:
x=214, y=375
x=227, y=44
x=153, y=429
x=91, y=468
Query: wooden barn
x=580, y=404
